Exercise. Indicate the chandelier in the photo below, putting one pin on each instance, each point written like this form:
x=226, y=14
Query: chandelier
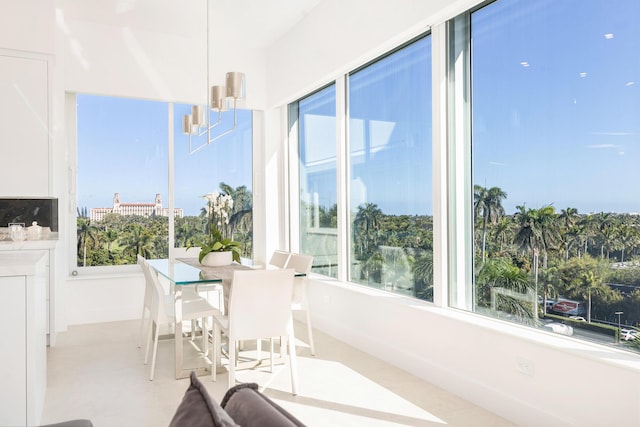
x=199, y=122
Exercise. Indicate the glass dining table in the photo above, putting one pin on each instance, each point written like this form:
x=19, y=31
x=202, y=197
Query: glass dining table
x=181, y=272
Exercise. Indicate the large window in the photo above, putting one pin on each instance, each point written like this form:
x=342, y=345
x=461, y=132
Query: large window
x=389, y=173
x=123, y=163
x=389, y=104
x=315, y=116
x=121, y=180
x=554, y=142
x=540, y=115
x=224, y=166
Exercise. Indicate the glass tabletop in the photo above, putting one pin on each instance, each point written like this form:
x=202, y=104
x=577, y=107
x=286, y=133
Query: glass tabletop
x=180, y=273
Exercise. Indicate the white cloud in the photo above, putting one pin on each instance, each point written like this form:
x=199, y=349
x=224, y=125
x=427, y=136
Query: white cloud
x=603, y=146
x=612, y=133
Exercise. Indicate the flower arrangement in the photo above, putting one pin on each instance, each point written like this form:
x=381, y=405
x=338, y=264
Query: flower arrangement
x=218, y=209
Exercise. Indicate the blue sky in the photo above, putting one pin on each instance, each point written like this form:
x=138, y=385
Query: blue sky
x=556, y=103
x=556, y=117
x=120, y=150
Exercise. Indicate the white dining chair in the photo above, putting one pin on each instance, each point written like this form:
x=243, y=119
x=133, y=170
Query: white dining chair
x=259, y=308
x=279, y=258
x=300, y=301
x=162, y=312
x=187, y=295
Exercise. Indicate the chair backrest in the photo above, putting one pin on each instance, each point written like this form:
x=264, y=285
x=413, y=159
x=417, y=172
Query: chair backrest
x=154, y=293
x=300, y=263
x=148, y=286
x=279, y=258
x=260, y=304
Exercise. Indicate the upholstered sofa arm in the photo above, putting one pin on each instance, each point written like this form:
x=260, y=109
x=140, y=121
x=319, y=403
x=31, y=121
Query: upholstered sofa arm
x=248, y=407
x=242, y=405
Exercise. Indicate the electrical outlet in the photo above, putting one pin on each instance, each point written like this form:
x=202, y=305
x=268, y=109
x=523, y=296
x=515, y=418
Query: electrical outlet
x=525, y=366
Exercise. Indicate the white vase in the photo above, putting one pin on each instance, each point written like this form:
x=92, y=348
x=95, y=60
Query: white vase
x=217, y=259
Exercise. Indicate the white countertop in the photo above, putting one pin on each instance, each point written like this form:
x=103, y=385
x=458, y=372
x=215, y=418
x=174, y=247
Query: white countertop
x=9, y=245
x=19, y=263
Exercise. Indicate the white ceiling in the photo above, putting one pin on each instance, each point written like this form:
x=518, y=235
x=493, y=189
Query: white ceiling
x=251, y=23
x=260, y=23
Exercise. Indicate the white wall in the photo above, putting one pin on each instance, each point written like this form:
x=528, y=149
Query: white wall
x=155, y=50
x=27, y=25
x=571, y=383
x=340, y=35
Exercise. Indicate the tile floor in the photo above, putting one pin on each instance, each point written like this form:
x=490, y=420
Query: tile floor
x=97, y=372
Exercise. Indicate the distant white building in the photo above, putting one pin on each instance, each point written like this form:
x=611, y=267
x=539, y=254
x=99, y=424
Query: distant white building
x=141, y=209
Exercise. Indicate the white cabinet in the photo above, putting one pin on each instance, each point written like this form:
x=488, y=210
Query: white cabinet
x=23, y=330
x=46, y=247
x=24, y=125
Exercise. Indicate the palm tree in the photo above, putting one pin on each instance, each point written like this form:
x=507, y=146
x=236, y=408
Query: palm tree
x=588, y=224
x=366, y=225
x=501, y=273
x=487, y=204
x=567, y=221
x=241, y=216
x=548, y=277
x=538, y=229
x=503, y=232
x=604, y=223
x=538, y=233
x=583, y=277
x=626, y=236
x=139, y=241
x=423, y=275
x=528, y=237
x=110, y=236
x=85, y=232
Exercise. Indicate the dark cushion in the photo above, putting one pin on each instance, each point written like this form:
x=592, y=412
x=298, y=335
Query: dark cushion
x=72, y=423
x=250, y=408
x=198, y=410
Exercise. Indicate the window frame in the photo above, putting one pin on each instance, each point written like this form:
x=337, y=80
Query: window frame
x=343, y=164
x=128, y=269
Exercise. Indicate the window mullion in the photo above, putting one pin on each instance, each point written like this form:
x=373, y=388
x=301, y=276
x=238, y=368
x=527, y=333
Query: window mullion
x=342, y=165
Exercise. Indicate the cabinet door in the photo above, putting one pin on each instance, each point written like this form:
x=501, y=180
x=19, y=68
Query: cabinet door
x=13, y=320
x=24, y=126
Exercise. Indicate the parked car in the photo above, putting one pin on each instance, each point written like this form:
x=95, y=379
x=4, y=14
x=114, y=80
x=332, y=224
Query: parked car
x=560, y=328
x=628, y=334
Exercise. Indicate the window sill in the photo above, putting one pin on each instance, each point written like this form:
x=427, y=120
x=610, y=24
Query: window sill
x=601, y=353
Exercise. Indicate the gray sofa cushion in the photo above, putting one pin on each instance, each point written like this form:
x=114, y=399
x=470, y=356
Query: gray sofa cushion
x=250, y=408
x=197, y=409
x=72, y=423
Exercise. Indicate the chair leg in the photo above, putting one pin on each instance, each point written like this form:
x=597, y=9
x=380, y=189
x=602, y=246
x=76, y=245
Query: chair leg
x=217, y=343
x=271, y=355
x=148, y=345
x=142, y=323
x=155, y=352
x=282, y=347
x=310, y=334
x=205, y=337
x=232, y=363
x=293, y=364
